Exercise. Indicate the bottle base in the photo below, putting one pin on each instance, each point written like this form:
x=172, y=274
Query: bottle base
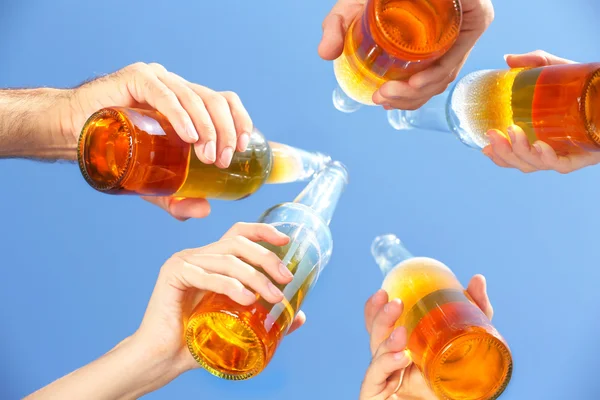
x=474, y=366
x=225, y=346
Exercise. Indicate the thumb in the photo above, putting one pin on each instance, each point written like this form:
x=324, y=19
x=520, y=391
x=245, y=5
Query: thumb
x=477, y=289
x=181, y=208
x=332, y=42
x=538, y=58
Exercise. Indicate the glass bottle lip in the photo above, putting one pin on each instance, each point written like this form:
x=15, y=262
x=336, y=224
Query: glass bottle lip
x=588, y=90
x=391, y=45
x=115, y=182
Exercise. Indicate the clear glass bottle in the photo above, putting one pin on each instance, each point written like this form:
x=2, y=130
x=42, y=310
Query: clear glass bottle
x=558, y=104
x=455, y=346
x=392, y=40
x=136, y=151
x=237, y=342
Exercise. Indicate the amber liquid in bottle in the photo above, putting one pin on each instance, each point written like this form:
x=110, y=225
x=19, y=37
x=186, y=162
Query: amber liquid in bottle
x=558, y=104
x=455, y=346
x=239, y=346
x=136, y=151
x=237, y=342
x=393, y=40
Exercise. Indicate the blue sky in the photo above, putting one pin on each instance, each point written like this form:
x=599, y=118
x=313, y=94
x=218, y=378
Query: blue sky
x=78, y=267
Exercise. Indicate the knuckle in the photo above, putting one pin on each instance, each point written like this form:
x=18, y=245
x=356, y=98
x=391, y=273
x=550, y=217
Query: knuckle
x=232, y=285
x=208, y=130
x=231, y=96
x=157, y=67
x=240, y=227
x=240, y=240
x=137, y=67
x=229, y=259
x=217, y=100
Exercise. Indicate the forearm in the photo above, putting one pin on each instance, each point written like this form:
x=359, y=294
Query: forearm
x=30, y=125
x=126, y=372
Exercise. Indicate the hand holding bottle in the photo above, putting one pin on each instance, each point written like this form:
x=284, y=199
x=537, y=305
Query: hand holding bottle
x=391, y=375
x=156, y=354
x=216, y=122
x=518, y=153
x=412, y=94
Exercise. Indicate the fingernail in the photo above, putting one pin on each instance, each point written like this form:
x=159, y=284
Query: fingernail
x=248, y=294
x=243, y=141
x=399, y=355
x=417, y=83
x=538, y=148
x=392, y=335
x=285, y=271
x=511, y=134
x=274, y=290
x=226, y=156
x=491, y=136
x=191, y=131
x=210, y=151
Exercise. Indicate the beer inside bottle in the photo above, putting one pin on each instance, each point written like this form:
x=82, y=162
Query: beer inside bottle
x=137, y=151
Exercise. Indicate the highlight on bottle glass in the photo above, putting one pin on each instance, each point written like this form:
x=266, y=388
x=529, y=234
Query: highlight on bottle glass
x=450, y=340
x=137, y=151
x=558, y=104
x=392, y=40
x=237, y=342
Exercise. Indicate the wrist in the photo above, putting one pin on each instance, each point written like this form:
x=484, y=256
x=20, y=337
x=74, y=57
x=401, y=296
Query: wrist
x=148, y=369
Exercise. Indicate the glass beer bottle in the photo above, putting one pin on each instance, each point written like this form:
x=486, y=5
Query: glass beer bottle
x=392, y=40
x=237, y=342
x=136, y=151
x=557, y=104
x=451, y=341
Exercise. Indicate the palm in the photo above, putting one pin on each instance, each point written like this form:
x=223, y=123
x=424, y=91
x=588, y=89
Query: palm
x=165, y=319
x=413, y=386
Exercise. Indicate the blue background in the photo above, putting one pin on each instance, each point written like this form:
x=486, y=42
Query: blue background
x=78, y=267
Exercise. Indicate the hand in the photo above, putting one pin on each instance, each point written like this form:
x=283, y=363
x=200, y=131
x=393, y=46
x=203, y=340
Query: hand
x=477, y=16
x=391, y=375
x=539, y=156
x=224, y=267
x=156, y=354
x=215, y=122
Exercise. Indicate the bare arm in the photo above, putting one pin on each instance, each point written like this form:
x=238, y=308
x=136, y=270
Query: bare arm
x=30, y=125
x=126, y=372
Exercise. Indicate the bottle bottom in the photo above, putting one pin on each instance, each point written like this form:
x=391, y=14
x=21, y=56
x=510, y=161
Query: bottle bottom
x=473, y=366
x=225, y=346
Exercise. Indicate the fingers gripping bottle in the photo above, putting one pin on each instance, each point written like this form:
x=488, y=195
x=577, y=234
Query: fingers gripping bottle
x=392, y=40
x=557, y=104
x=455, y=346
x=135, y=151
x=237, y=342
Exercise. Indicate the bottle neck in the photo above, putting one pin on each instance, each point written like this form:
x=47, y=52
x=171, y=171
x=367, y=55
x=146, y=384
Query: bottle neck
x=388, y=252
x=323, y=192
x=431, y=116
x=291, y=164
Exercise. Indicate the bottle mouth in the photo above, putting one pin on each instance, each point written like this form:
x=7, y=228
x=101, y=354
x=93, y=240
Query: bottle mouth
x=417, y=29
x=105, y=150
x=382, y=242
x=338, y=168
x=591, y=101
